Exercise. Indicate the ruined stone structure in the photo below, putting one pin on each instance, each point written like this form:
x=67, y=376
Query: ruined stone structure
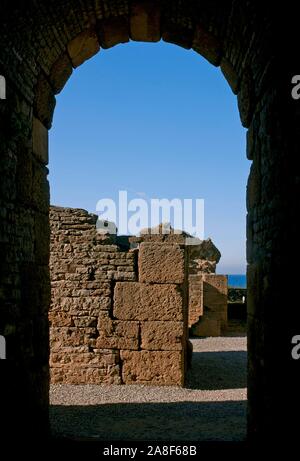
x=116, y=316
x=99, y=322
x=41, y=43
x=208, y=297
x=207, y=291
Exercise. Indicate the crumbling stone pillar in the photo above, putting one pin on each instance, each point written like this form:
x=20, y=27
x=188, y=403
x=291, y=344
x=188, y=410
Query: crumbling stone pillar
x=213, y=322
x=158, y=302
x=207, y=291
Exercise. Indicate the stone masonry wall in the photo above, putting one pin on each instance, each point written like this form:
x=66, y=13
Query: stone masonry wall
x=213, y=321
x=207, y=291
x=116, y=316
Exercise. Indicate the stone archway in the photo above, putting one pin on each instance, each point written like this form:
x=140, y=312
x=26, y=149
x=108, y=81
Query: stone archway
x=41, y=44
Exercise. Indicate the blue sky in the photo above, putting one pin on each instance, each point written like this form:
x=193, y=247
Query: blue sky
x=160, y=122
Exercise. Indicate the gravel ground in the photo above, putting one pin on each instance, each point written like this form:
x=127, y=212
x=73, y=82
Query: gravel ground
x=212, y=406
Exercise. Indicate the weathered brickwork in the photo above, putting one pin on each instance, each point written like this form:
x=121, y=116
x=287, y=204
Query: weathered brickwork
x=37, y=54
x=107, y=323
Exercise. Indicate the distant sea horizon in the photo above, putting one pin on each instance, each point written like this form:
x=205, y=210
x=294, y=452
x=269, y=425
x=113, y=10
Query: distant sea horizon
x=237, y=280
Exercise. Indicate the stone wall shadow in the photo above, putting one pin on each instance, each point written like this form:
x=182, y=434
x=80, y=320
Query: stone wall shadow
x=175, y=421
x=218, y=370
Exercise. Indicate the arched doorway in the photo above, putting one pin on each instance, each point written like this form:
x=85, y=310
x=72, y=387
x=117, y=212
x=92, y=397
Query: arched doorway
x=43, y=43
x=179, y=134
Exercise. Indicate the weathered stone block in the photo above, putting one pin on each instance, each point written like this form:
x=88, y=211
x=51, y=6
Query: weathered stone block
x=254, y=186
x=219, y=282
x=207, y=327
x=40, y=190
x=177, y=34
x=246, y=97
x=90, y=359
x=117, y=334
x=83, y=47
x=113, y=31
x=142, y=301
x=207, y=45
x=40, y=141
x=60, y=319
x=215, y=297
x=156, y=368
x=85, y=321
x=195, y=298
x=162, y=336
x=71, y=336
x=161, y=263
x=79, y=366
x=45, y=102
x=145, y=21
x=230, y=75
x=85, y=375
x=60, y=73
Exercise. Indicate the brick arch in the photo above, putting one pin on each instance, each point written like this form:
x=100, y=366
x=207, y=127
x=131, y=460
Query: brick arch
x=41, y=44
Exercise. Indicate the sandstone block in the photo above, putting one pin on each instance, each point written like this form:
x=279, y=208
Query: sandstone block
x=83, y=47
x=60, y=72
x=207, y=327
x=207, y=45
x=71, y=336
x=113, y=30
x=218, y=282
x=195, y=298
x=161, y=263
x=59, y=359
x=40, y=141
x=179, y=35
x=60, y=319
x=85, y=367
x=163, y=368
x=85, y=321
x=230, y=74
x=117, y=334
x=143, y=301
x=246, y=98
x=162, y=336
x=145, y=21
x=85, y=375
x=44, y=103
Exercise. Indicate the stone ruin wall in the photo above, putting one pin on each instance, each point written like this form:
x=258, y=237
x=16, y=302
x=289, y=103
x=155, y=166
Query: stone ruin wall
x=207, y=291
x=121, y=315
x=208, y=304
x=117, y=316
